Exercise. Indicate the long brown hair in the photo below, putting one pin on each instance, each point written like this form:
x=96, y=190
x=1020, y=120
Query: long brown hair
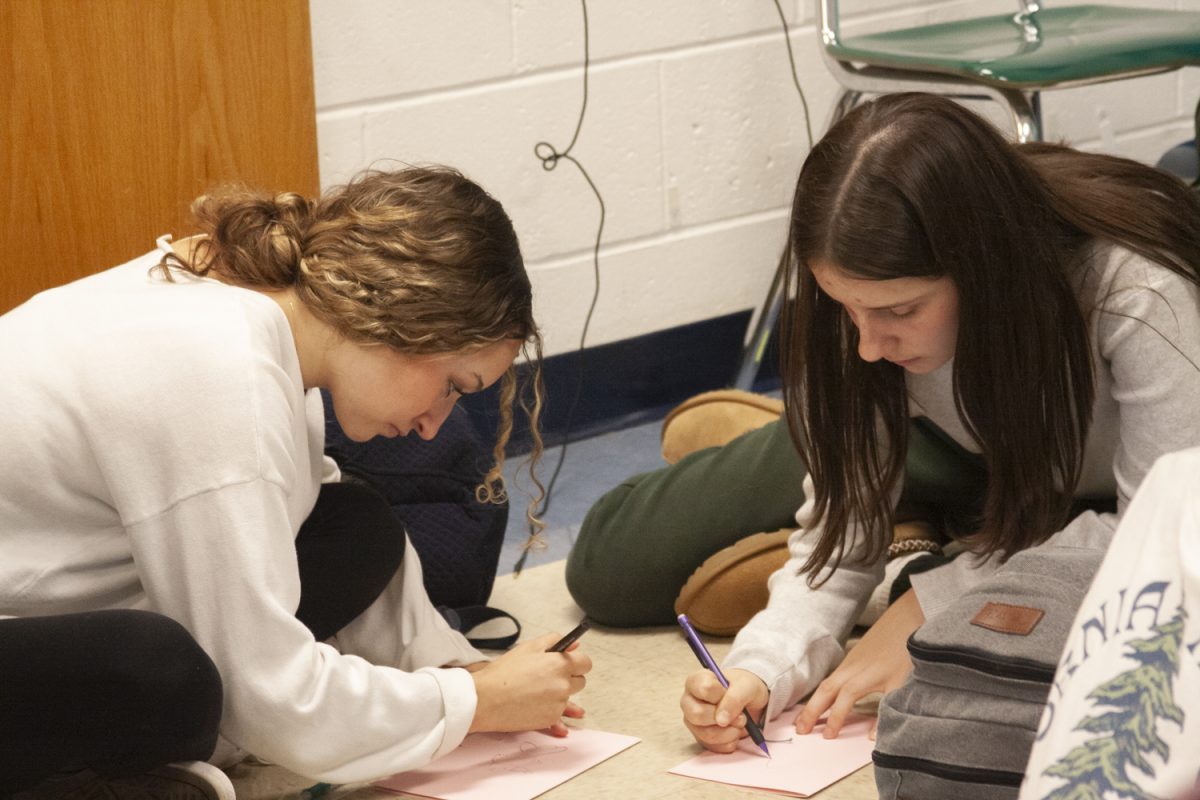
x=420, y=259
x=914, y=185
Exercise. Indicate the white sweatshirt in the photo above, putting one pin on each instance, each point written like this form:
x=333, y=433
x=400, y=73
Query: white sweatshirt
x=160, y=452
x=1146, y=350
x=1123, y=715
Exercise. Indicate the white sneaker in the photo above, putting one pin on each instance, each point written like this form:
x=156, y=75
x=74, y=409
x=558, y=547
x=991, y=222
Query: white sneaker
x=189, y=780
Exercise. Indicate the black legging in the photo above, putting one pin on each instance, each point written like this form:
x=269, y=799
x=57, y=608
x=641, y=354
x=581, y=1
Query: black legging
x=121, y=692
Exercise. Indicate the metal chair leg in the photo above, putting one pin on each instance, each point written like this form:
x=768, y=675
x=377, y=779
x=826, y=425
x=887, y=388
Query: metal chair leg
x=762, y=325
x=1026, y=110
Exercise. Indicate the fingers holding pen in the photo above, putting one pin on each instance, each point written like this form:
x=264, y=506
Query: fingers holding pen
x=529, y=688
x=578, y=665
x=718, y=738
x=746, y=692
x=701, y=694
x=713, y=714
x=575, y=664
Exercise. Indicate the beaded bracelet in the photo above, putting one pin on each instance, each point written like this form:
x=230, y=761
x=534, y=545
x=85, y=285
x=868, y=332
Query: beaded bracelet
x=913, y=546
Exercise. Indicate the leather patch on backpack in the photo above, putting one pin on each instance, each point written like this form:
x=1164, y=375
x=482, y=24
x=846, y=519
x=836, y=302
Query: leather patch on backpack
x=1005, y=618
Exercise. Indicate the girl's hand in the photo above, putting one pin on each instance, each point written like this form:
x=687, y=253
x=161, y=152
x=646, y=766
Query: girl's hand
x=878, y=663
x=714, y=714
x=529, y=689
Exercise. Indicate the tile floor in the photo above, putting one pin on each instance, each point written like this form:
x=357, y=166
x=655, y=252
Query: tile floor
x=592, y=467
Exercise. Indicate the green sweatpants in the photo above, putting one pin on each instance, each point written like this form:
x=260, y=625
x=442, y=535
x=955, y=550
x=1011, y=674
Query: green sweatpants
x=642, y=540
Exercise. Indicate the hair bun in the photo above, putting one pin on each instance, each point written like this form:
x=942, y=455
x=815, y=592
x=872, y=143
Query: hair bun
x=291, y=210
x=289, y=219
x=256, y=239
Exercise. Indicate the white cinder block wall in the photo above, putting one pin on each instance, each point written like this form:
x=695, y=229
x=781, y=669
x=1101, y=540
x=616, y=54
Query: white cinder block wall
x=693, y=132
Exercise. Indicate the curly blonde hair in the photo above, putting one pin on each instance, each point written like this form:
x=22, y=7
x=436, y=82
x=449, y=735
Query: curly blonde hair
x=420, y=259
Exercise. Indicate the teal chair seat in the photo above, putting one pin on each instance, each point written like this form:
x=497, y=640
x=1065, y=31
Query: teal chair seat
x=1048, y=47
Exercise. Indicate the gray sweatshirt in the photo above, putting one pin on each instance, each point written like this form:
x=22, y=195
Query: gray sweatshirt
x=1144, y=325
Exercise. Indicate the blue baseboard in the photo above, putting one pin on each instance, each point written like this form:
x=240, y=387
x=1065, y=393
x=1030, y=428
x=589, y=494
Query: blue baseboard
x=621, y=384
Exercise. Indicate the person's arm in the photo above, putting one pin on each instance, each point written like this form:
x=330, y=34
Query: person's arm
x=878, y=663
x=402, y=628
x=223, y=563
x=220, y=564
x=791, y=644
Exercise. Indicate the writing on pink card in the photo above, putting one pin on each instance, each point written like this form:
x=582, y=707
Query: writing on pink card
x=509, y=766
x=800, y=765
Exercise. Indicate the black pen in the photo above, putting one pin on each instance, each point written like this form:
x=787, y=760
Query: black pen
x=570, y=638
x=706, y=659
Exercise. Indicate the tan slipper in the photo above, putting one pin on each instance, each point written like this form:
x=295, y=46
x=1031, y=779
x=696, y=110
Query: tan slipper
x=714, y=418
x=730, y=586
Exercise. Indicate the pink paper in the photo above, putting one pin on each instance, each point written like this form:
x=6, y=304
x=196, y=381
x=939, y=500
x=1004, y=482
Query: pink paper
x=509, y=766
x=801, y=767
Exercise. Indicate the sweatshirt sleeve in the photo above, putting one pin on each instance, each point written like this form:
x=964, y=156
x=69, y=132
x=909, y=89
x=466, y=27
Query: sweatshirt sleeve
x=223, y=564
x=800, y=636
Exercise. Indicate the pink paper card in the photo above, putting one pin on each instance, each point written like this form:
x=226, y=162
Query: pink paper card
x=799, y=766
x=509, y=766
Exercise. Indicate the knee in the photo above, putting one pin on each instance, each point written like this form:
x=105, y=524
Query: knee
x=177, y=684
x=616, y=571
x=377, y=532
x=601, y=543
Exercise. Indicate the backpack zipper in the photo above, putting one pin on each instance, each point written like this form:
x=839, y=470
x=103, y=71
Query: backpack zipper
x=949, y=772
x=1018, y=669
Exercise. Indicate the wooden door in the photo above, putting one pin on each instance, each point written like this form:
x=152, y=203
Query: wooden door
x=114, y=114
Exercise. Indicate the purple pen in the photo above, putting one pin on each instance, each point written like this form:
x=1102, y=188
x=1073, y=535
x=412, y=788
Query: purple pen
x=693, y=640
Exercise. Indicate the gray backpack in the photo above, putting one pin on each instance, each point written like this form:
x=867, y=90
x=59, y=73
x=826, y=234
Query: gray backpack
x=964, y=723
